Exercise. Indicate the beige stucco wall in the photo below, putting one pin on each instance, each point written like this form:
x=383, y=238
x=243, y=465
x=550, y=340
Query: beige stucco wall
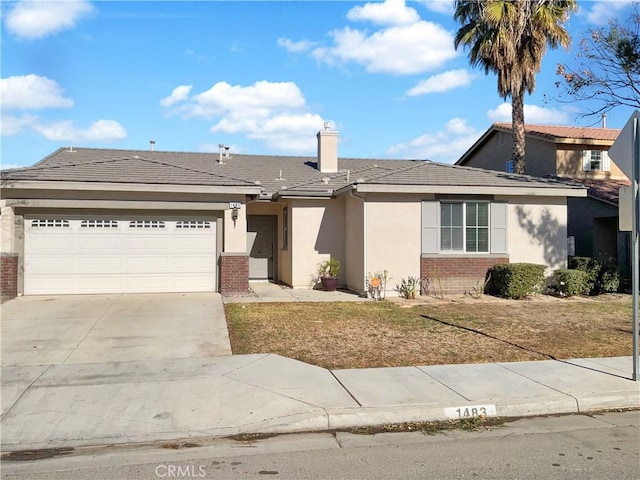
x=393, y=236
x=537, y=230
x=7, y=228
x=493, y=154
x=354, y=243
x=539, y=157
x=317, y=233
x=569, y=164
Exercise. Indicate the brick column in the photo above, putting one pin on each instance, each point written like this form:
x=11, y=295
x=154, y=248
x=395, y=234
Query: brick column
x=234, y=273
x=456, y=274
x=8, y=275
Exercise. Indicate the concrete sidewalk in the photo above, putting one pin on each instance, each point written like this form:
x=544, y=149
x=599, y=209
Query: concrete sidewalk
x=92, y=404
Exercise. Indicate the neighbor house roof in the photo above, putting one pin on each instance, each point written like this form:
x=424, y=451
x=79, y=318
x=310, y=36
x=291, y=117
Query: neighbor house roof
x=276, y=176
x=552, y=133
x=601, y=189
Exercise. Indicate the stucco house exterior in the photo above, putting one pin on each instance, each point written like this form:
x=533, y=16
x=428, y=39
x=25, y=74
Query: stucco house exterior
x=109, y=221
x=573, y=154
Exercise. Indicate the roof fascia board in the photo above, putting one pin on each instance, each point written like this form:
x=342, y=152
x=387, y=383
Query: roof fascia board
x=474, y=190
x=302, y=194
x=115, y=204
x=131, y=187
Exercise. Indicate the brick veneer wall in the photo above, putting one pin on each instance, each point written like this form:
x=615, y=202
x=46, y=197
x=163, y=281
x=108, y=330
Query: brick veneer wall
x=234, y=274
x=8, y=275
x=456, y=274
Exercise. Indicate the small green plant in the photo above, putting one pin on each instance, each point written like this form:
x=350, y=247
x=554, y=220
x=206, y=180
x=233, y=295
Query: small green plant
x=609, y=280
x=408, y=288
x=591, y=267
x=517, y=280
x=329, y=268
x=568, y=283
x=377, y=284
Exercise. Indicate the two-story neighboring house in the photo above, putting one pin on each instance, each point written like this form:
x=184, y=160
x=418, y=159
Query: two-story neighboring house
x=579, y=155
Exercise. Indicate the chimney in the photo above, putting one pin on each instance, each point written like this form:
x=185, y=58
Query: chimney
x=604, y=120
x=221, y=149
x=328, y=150
x=152, y=144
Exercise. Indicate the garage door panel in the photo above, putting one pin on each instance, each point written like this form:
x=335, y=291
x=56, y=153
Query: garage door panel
x=51, y=265
x=192, y=243
x=98, y=242
x=146, y=242
x=99, y=283
x=50, y=243
x=119, y=255
x=99, y=265
x=145, y=264
x=185, y=263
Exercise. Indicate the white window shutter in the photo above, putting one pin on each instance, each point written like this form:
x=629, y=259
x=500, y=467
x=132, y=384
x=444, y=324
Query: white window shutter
x=498, y=237
x=430, y=227
x=586, y=160
x=606, y=162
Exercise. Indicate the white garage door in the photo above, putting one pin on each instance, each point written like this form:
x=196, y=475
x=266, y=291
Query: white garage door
x=114, y=255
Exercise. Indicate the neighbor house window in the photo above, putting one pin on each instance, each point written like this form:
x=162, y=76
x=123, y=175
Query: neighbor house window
x=464, y=227
x=509, y=167
x=285, y=228
x=595, y=161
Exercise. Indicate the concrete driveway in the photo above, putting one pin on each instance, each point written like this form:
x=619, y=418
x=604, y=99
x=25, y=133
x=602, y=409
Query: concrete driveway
x=45, y=330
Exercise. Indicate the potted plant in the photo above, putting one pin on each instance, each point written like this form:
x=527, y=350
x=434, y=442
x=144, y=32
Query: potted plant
x=328, y=272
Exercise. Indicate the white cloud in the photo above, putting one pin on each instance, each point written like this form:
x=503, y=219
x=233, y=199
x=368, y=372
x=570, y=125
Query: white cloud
x=445, y=146
x=532, y=114
x=274, y=113
x=295, y=47
x=178, y=94
x=100, y=131
x=10, y=125
x=600, y=12
x=35, y=19
x=31, y=92
x=398, y=50
x=390, y=12
x=439, y=6
x=442, y=82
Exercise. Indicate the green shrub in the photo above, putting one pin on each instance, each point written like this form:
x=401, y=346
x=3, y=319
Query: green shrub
x=569, y=283
x=609, y=280
x=591, y=267
x=516, y=280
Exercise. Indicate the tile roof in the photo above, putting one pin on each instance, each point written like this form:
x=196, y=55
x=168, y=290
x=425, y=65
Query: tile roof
x=554, y=132
x=601, y=189
x=296, y=175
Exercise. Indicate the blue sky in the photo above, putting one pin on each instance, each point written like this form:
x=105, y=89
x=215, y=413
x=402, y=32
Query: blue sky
x=260, y=77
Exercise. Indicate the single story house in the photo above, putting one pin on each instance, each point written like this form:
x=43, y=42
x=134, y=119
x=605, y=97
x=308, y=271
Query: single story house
x=570, y=154
x=108, y=221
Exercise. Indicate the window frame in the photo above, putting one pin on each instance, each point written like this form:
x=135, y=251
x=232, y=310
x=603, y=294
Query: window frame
x=603, y=163
x=464, y=227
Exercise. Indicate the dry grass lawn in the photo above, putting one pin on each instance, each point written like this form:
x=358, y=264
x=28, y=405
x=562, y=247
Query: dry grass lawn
x=393, y=333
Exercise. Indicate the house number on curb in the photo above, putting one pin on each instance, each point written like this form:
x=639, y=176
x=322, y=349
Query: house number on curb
x=470, y=411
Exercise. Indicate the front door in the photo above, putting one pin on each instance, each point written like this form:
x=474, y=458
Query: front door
x=260, y=242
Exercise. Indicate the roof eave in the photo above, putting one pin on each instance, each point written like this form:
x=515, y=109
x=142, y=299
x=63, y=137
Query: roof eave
x=130, y=187
x=301, y=194
x=540, y=191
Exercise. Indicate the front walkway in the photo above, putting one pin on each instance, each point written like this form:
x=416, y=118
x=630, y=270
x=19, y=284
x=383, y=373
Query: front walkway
x=273, y=292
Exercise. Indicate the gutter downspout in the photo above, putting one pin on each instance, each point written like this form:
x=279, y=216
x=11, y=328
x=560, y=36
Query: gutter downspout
x=364, y=236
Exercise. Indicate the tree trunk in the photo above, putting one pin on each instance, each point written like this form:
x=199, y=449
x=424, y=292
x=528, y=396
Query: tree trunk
x=517, y=124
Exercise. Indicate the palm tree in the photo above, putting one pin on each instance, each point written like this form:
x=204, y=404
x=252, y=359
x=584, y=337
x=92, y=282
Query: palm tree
x=509, y=38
